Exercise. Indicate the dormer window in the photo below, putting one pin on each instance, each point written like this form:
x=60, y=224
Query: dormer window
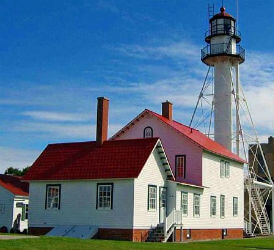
x=148, y=132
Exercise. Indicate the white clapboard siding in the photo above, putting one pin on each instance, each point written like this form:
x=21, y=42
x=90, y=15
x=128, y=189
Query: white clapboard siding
x=6, y=213
x=152, y=174
x=78, y=205
x=216, y=186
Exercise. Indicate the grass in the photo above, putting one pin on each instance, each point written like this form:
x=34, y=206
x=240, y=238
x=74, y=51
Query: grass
x=56, y=243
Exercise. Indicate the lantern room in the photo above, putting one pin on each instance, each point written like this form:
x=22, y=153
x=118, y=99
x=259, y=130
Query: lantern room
x=222, y=40
x=222, y=24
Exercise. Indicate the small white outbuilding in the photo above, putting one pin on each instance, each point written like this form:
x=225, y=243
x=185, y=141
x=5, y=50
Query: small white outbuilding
x=14, y=200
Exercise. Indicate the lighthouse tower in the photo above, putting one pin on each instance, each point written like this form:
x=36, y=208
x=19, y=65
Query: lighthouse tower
x=224, y=53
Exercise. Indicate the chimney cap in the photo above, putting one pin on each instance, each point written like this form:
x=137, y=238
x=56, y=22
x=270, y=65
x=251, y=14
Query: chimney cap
x=102, y=97
x=167, y=101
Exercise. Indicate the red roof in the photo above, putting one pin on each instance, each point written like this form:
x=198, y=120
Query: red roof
x=14, y=185
x=197, y=137
x=86, y=160
x=222, y=14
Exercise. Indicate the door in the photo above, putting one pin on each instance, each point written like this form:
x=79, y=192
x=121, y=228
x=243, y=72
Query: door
x=163, y=203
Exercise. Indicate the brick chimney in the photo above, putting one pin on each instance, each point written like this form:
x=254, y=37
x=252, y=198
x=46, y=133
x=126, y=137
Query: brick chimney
x=102, y=120
x=167, y=110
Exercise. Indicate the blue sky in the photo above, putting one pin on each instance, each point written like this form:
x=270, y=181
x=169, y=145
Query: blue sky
x=56, y=57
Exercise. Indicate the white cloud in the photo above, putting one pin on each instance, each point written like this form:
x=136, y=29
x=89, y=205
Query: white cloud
x=56, y=116
x=183, y=87
x=174, y=50
x=14, y=157
x=54, y=131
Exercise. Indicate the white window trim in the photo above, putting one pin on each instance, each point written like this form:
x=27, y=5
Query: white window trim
x=222, y=216
x=222, y=169
x=227, y=169
x=211, y=214
x=196, y=215
x=235, y=215
x=58, y=187
x=149, y=198
x=110, y=207
x=184, y=193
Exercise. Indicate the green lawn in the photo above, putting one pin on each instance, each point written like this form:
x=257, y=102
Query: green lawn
x=55, y=243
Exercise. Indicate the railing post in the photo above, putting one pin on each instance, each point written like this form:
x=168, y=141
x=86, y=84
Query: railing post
x=174, y=216
x=165, y=226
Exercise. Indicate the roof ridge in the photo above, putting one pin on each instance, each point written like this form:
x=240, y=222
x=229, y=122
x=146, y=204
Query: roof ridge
x=174, y=121
x=66, y=143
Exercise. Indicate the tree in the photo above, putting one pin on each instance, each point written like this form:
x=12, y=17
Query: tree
x=16, y=171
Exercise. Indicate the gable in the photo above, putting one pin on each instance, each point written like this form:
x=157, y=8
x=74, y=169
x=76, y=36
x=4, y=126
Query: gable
x=193, y=135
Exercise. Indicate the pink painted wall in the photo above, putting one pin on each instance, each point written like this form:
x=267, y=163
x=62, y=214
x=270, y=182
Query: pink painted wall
x=174, y=144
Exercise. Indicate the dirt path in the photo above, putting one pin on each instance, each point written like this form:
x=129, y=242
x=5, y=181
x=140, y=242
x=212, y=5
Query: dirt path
x=16, y=237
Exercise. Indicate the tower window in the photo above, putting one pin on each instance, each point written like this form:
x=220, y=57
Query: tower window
x=148, y=132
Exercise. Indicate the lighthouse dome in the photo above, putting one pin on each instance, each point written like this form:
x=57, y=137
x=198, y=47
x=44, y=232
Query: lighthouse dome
x=222, y=14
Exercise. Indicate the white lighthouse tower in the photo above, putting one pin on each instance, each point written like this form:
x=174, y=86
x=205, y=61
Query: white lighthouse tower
x=224, y=53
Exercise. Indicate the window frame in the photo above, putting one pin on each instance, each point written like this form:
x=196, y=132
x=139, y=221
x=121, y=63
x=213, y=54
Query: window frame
x=215, y=207
x=222, y=168
x=237, y=210
x=148, y=198
x=144, y=132
x=182, y=209
x=227, y=169
x=111, y=196
x=59, y=196
x=194, y=214
x=184, y=167
x=222, y=209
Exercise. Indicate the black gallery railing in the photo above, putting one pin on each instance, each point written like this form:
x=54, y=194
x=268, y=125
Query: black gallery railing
x=222, y=49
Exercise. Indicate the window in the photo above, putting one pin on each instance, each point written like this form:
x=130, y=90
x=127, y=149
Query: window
x=180, y=164
x=235, y=206
x=227, y=26
x=196, y=205
x=152, y=198
x=224, y=169
x=222, y=206
x=184, y=203
x=148, y=132
x=227, y=169
x=2, y=208
x=53, y=196
x=25, y=212
x=212, y=205
x=104, y=196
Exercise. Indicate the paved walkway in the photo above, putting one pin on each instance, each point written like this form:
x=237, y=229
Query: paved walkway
x=15, y=237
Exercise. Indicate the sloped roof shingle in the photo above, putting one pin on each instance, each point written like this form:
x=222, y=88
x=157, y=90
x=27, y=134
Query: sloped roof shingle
x=86, y=160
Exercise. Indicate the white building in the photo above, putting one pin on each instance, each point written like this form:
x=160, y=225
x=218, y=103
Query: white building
x=209, y=185
x=113, y=187
x=126, y=189
x=14, y=199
